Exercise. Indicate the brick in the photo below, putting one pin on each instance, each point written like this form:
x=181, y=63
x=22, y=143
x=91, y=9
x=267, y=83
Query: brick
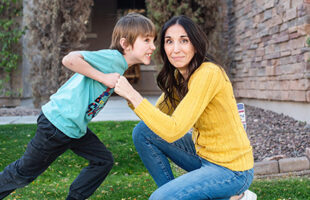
x=297, y=96
x=285, y=53
x=258, y=58
x=294, y=164
x=296, y=3
x=292, y=29
x=284, y=85
x=304, y=29
x=266, y=167
x=283, y=27
x=290, y=76
x=270, y=71
x=302, y=10
x=267, y=15
x=276, y=20
x=282, y=38
x=308, y=99
x=280, y=95
x=269, y=4
x=294, y=35
x=285, y=46
x=308, y=153
x=297, y=43
x=275, y=29
x=290, y=14
x=260, y=52
x=303, y=20
x=302, y=84
x=272, y=55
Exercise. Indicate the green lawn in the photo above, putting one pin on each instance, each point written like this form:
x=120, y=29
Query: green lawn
x=128, y=178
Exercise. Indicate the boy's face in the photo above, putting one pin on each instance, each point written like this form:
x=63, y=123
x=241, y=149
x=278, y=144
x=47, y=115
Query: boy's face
x=141, y=50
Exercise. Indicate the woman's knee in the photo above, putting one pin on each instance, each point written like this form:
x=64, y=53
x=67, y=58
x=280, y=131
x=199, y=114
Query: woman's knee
x=160, y=194
x=138, y=131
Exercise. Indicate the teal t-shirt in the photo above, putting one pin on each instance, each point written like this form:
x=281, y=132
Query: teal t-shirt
x=76, y=102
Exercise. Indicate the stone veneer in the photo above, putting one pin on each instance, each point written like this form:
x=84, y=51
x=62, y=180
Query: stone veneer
x=267, y=44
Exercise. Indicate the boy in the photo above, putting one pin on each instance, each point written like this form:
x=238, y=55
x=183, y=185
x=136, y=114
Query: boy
x=63, y=121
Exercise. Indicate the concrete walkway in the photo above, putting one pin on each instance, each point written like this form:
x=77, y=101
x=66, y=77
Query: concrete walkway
x=116, y=109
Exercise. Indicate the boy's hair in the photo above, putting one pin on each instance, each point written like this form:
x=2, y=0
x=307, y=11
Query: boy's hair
x=130, y=27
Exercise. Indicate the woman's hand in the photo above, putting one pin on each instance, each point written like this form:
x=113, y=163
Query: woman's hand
x=124, y=89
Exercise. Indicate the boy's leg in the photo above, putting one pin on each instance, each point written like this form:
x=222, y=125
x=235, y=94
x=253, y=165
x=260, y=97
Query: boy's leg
x=154, y=153
x=42, y=150
x=100, y=164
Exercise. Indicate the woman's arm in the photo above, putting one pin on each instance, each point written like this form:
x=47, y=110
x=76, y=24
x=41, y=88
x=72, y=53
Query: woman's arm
x=75, y=62
x=124, y=88
x=203, y=86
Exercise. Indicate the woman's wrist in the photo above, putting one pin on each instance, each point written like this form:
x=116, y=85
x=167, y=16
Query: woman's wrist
x=135, y=98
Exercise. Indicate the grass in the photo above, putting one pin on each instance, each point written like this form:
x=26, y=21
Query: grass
x=128, y=180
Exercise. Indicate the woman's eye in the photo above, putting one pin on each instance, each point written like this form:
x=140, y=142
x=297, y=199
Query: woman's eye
x=168, y=41
x=184, y=41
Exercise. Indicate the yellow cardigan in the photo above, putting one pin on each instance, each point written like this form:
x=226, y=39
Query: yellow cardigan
x=210, y=108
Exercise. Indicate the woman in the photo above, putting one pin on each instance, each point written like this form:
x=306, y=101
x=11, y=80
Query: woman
x=197, y=95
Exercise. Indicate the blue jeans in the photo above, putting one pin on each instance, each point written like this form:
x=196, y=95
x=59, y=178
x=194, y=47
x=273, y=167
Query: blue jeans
x=204, y=180
x=45, y=147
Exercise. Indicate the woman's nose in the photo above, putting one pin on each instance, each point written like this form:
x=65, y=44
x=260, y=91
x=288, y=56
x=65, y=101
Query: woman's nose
x=176, y=47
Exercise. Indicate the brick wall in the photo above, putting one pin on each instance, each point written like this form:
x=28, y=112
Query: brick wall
x=267, y=44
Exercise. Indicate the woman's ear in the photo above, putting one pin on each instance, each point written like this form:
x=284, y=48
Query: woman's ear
x=124, y=44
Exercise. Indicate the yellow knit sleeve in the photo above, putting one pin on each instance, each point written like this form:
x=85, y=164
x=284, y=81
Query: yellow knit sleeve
x=203, y=86
x=163, y=106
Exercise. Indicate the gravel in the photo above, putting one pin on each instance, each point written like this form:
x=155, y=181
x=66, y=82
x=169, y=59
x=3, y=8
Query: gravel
x=276, y=135
x=272, y=135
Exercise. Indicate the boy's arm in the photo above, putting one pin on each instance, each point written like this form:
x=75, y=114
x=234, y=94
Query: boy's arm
x=75, y=62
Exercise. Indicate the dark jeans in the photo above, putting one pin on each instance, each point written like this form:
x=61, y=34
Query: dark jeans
x=45, y=147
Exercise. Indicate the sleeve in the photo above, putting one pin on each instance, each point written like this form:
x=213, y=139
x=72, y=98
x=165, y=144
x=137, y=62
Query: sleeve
x=100, y=60
x=164, y=107
x=159, y=104
x=204, y=84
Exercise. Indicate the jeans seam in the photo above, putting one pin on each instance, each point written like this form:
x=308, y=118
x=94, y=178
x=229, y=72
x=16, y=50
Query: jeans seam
x=160, y=140
x=242, y=189
x=162, y=165
x=182, y=194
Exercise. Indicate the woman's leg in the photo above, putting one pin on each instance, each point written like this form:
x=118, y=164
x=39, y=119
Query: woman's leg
x=208, y=182
x=154, y=153
x=204, y=180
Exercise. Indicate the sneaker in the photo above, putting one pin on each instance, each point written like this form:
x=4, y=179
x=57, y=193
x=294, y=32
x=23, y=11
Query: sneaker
x=248, y=195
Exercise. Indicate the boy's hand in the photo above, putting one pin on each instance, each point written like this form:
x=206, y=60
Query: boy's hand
x=110, y=80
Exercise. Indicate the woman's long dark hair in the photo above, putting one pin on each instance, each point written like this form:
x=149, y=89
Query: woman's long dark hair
x=169, y=80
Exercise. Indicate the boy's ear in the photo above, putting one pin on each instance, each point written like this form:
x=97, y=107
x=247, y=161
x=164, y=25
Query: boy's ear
x=124, y=44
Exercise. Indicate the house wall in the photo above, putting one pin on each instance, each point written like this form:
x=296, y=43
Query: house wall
x=270, y=56
x=103, y=19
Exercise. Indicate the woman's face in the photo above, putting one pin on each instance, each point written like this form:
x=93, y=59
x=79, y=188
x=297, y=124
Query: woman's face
x=178, y=48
